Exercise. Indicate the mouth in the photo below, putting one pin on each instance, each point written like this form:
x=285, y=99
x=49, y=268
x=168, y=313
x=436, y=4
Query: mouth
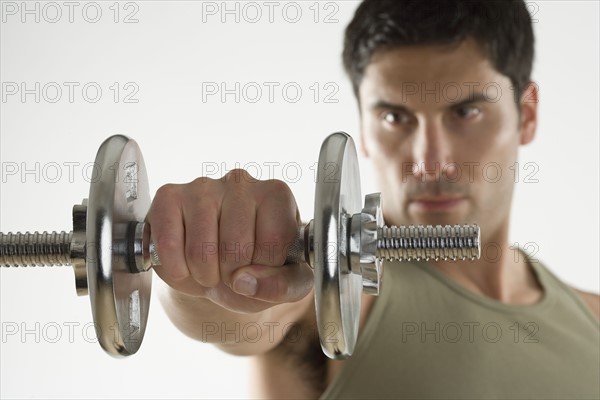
x=436, y=203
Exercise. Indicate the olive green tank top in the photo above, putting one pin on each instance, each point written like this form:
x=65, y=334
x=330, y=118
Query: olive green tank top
x=428, y=337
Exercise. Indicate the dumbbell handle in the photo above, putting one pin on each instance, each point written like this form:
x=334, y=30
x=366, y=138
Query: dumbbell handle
x=47, y=249
x=297, y=251
x=402, y=243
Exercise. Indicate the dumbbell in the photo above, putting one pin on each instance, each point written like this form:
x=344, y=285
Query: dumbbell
x=345, y=244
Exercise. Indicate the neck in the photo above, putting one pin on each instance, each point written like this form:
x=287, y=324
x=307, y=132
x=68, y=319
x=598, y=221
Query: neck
x=501, y=273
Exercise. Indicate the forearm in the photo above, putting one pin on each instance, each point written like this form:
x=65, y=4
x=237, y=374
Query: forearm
x=232, y=332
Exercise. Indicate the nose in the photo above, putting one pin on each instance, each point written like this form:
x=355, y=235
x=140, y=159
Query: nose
x=432, y=151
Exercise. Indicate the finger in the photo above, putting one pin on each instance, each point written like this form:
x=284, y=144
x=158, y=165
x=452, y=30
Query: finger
x=274, y=284
x=167, y=233
x=236, y=224
x=190, y=287
x=276, y=224
x=201, y=216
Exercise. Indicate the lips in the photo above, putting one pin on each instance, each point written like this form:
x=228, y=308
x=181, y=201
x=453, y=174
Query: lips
x=436, y=203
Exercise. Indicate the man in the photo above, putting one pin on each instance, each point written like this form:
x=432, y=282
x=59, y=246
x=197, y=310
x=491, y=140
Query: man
x=444, y=91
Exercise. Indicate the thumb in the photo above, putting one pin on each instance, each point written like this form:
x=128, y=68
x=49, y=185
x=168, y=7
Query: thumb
x=284, y=284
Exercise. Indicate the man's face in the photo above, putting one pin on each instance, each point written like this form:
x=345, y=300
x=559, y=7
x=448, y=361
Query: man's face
x=442, y=129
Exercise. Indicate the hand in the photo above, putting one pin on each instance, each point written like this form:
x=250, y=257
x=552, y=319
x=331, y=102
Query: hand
x=225, y=240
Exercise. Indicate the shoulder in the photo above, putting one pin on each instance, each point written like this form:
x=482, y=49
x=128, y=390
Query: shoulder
x=591, y=299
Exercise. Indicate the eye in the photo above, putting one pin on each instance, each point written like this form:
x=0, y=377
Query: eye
x=467, y=112
x=396, y=117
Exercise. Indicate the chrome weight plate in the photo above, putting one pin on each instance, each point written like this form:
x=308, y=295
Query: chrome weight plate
x=337, y=289
x=118, y=195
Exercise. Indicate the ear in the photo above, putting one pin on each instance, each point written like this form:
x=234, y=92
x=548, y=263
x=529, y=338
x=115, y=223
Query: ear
x=529, y=113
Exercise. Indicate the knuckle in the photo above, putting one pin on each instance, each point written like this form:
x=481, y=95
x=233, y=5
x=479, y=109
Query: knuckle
x=276, y=237
x=166, y=199
x=167, y=192
x=202, y=186
x=204, y=194
x=277, y=243
x=280, y=191
x=200, y=266
x=279, y=186
x=196, y=255
x=231, y=251
x=239, y=176
x=202, y=183
x=167, y=244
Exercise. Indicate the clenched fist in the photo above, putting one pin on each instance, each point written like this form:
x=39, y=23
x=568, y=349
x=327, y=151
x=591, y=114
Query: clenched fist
x=225, y=240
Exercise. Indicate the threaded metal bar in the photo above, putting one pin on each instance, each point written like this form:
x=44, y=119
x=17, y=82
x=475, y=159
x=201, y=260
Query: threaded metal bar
x=154, y=259
x=416, y=242
x=35, y=249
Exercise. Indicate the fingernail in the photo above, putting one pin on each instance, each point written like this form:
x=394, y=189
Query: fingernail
x=245, y=284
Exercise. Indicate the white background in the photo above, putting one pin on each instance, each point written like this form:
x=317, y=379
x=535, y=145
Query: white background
x=168, y=54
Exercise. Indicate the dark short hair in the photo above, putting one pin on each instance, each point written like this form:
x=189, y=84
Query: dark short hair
x=502, y=29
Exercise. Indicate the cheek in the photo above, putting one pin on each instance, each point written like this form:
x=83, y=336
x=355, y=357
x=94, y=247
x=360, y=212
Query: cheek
x=383, y=153
x=494, y=140
x=495, y=155
x=501, y=145
x=380, y=145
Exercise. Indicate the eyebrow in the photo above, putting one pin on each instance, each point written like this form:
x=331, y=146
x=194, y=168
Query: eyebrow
x=475, y=98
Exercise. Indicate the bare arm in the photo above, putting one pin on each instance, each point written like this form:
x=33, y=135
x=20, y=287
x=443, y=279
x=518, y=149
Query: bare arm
x=255, y=333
